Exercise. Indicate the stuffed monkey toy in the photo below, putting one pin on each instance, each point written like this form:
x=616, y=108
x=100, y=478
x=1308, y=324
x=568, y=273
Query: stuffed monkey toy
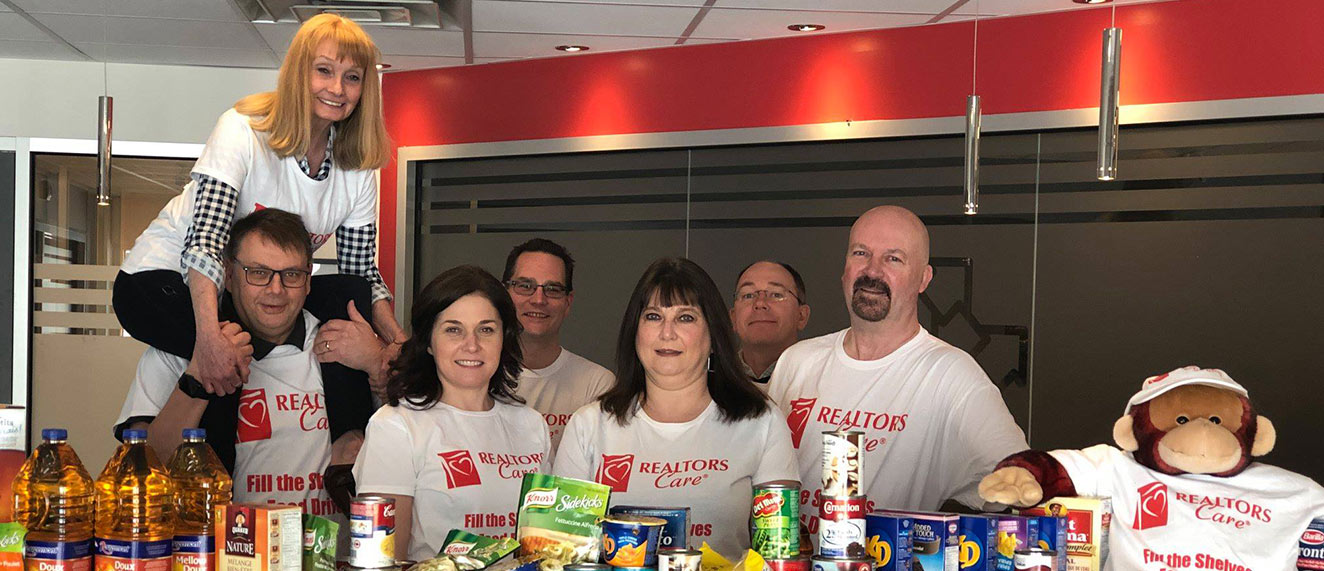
x=1185, y=492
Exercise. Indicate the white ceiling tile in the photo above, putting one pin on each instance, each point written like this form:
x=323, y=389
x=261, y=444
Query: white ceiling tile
x=180, y=55
x=16, y=27
x=1023, y=7
x=576, y=19
x=748, y=24
x=406, y=63
x=417, y=41
x=149, y=31
x=915, y=6
x=21, y=49
x=278, y=36
x=391, y=41
x=187, y=9
x=496, y=44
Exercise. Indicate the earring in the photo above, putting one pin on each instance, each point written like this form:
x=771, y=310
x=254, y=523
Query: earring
x=710, y=363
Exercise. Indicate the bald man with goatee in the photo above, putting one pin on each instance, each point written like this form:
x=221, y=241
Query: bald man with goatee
x=933, y=423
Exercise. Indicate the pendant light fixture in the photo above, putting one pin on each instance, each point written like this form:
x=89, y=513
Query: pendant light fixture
x=1109, y=99
x=972, y=125
x=105, y=113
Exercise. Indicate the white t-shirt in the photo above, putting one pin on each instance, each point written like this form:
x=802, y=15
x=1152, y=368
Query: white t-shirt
x=705, y=464
x=463, y=468
x=240, y=157
x=933, y=423
x=559, y=389
x=282, y=442
x=1253, y=520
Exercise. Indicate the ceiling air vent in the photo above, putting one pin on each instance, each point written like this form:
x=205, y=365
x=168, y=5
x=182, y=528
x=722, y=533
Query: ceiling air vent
x=398, y=13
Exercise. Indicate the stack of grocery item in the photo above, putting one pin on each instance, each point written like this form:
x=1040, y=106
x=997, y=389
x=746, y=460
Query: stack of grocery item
x=841, y=521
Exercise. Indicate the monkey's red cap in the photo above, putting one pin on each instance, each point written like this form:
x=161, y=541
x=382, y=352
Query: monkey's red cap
x=1189, y=375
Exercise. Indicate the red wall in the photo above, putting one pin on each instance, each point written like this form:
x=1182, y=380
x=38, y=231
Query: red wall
x=1181, y=50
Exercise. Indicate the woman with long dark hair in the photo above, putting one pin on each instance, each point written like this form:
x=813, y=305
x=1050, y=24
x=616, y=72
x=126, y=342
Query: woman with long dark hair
x=682, y=425
x=454, y=442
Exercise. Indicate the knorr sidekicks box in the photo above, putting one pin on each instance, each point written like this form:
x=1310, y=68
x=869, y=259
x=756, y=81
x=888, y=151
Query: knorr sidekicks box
x=559, y=518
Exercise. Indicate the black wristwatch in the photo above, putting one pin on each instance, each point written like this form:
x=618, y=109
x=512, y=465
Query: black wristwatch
x=191, y=387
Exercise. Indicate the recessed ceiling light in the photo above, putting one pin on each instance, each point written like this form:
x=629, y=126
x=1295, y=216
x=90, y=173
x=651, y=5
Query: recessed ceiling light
x=382, y=66
x=805, y=27
x=1091, y=1
x=572, y=48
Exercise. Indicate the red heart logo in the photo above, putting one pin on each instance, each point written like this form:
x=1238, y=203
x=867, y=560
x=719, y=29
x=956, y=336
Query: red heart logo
x=798, y=418
x=460, y=469
x=615, y=471
x=254, y=419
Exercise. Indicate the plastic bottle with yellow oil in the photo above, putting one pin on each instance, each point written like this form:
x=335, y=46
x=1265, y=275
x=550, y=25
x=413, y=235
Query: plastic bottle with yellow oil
x=201, y=484
x=135, y=521
x=53, y=499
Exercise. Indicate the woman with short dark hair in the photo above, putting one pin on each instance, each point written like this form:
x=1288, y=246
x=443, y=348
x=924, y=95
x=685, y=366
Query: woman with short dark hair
x=682, y=426
x=454, y=442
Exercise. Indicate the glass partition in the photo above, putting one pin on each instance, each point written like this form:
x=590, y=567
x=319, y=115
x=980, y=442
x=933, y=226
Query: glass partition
x=1067, y=290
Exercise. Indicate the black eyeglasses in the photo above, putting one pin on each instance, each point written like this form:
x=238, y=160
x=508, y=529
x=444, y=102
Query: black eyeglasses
x=261, y=277
x=527, y=287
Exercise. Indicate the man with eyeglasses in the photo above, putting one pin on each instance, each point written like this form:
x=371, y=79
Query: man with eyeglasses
x=768, y=312
x=555, y=382
x=273, y=433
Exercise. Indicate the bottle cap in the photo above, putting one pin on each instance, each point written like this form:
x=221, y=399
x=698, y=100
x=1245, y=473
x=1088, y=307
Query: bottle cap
x=135, y=434
x=54, y=434
x=195, y=433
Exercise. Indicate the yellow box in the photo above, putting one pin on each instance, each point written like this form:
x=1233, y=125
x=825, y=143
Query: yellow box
x=259, y=537
x=1088, y=520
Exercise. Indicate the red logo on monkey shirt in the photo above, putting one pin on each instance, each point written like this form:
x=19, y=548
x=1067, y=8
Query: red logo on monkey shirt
x=460, y=469
x=798, y=418
x=1152, y=509
x=254, y=418
x=615, y=471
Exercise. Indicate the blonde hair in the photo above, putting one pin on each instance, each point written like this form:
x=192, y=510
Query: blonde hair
x=286, y=113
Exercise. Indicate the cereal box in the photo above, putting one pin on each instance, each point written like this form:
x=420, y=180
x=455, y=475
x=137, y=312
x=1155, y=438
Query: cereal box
x=252, y=537
x=977, y=542
x=1088, y=520
x=1014, y=533
x=560, y=518
x=934, y=538
x=887, y=540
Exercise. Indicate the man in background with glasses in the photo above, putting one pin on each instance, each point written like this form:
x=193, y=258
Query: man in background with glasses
x=555, y=382
x=768, y=312
x=272, y=433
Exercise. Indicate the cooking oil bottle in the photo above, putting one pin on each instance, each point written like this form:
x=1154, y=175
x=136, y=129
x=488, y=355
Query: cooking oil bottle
x=135, y=520
x=201, y=484
x=53, y=499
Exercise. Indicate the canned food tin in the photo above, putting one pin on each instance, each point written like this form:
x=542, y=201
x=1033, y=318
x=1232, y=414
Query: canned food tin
x=843, y=463
x=841, y=527
x=631, y=540
x=793, y=564
x=842, y=564
x=776, y=521
x=586, y=566
x=372, y=532
x=679, y=559
x=1035, y=559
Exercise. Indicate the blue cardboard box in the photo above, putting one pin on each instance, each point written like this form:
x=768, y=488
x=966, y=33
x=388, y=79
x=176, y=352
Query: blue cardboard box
x=887, y=539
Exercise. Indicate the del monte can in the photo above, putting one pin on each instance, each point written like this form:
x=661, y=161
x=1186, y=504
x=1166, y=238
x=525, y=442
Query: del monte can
x=776, y=515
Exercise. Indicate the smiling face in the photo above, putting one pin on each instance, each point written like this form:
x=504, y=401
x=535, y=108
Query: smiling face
x=540, y=315
x=887, y=265
x=466, y=343
x=759, y=316
x=673, y=345
x=336, y=84
x=269, y=311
